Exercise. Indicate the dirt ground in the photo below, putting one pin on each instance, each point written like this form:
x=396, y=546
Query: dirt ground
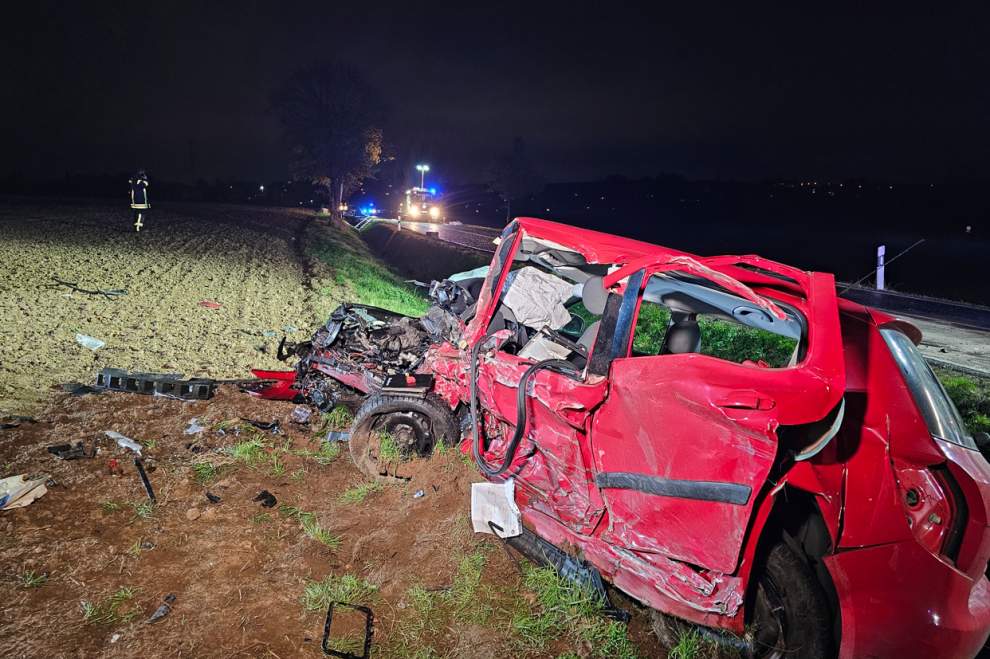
x=242, y=258
x=248, y=581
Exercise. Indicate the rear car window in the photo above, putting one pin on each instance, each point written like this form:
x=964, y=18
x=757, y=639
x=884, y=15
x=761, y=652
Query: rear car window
x=938, y=410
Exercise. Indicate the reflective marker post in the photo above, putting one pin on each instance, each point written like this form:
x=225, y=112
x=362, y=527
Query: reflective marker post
x=881, y=251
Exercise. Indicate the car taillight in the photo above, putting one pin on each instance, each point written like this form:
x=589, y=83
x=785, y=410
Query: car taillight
x=935, y=507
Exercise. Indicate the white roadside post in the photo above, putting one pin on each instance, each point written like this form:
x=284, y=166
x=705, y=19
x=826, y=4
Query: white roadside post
x=880, y=254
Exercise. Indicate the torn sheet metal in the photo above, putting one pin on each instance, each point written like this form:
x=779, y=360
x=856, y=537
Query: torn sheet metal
x=17, y=491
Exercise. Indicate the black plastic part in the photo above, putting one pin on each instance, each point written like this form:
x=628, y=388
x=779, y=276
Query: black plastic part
x=369, y=630
x=163, y=384
x=267, y=499
x=212, y=497
x=678, y=489
x=397, y=384
x=573, y=569
x=627, y=312
x=68, y=452
x=144, y=479
x=601, y=354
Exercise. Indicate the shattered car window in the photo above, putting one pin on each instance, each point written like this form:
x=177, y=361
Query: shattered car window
x=710, y=324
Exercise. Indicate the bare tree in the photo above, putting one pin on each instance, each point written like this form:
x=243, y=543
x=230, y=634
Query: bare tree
x=332, y=119
x=511, y=174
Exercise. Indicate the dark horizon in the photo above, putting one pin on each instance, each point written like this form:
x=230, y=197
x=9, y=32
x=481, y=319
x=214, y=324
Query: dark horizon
x=802, y=93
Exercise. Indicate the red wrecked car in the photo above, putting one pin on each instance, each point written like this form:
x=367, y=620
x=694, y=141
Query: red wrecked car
x=723, y=438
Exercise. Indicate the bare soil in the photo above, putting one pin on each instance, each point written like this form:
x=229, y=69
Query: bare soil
x=238, y=577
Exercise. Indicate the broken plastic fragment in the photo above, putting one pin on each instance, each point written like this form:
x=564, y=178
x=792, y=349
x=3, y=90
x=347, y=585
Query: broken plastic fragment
x=212, y=305
x=267, y=499
x=419, y=494
x=289, y=329
x=89, y=342
x=162, y=610
x=269, y=334
x=17, y=492
x=194, y=427
x=301, y=413
x=124, y=441
x=494, y=502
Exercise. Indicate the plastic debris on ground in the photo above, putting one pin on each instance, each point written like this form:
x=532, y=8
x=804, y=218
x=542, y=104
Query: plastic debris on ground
x=212, y=497
x=496, y=503
x=144, y=480
x=301, y=413
x=334, y=436
x=289, y=329
x=89, y=342
x=419, y=494
x=269, y=334
x=271, y=426
x=14, y=418
x=17, y=491
x=267, y=499
x=194, y=427
x=80, y=389
x=211, y=305
x=123, y=440
x=68, y=452
x=162, y=611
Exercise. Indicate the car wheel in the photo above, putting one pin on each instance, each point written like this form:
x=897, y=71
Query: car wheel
x=391, y=429
x=790, y=615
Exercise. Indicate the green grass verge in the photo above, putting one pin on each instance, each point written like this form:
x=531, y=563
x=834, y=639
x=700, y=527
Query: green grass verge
x=971, y=394
x=357, y=275
x=104, y=612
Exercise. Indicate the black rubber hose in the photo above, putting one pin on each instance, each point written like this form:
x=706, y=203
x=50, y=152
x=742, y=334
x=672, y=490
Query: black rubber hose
x=521, y=415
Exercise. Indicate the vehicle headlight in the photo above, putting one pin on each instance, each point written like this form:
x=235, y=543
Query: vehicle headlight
x=414, y=211
x=434, y=212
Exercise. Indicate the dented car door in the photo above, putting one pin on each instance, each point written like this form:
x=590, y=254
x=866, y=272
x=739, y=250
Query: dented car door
x=684, y=442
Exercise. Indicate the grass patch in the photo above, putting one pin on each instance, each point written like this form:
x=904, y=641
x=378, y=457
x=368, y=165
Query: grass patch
x=206, y=472
x=349, y=588
x=329, y=451
x=277, y=468
x=565, y=608
x=299, y=476
x=252, y=451
x=104, y=612
x=313, y=529
x=143, y=510
x=339, y=418
x=109, y=506
x=359, y=493
x=971, y=395
x=32, y=580
x=357, y=275
x=291, y=512
x=261, y=518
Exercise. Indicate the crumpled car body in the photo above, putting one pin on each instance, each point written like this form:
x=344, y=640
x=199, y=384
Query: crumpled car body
x=704, y=408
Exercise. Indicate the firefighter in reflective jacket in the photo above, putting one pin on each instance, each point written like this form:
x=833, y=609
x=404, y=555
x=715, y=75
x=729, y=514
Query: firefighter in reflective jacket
x=139, y=198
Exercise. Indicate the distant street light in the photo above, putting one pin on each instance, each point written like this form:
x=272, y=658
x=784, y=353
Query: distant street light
x=422, y=174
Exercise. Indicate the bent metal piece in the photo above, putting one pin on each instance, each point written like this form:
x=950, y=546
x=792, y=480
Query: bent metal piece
x=368, y=631
x=161, y=384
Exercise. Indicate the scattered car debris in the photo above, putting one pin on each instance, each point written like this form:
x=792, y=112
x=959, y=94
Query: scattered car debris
x=110, y=295
x=336, y=436
x=169, y=385
x=195, y=448
x=494, y=503
x=90, y=342
x=68, y=452
x=212, y=497
x=194, y=427
x=80, y=389
x=144, y=479
x=211, y=305
x=300, y=414
x=289, y=329
x=123, y=440
x=271, y=426
x=19, y=420
x=419, y=494
x=269, y=334
x=267, y=499
x=369, y=630
x=162, y=611
x=17, y=491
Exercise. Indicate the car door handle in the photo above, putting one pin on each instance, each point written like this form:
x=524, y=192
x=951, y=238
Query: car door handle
x=747, y=401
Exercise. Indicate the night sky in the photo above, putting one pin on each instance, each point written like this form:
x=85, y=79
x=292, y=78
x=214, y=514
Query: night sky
x=801, y=90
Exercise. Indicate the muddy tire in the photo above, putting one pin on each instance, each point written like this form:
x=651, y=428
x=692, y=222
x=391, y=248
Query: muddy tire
x=790, y=617
x=413, y=424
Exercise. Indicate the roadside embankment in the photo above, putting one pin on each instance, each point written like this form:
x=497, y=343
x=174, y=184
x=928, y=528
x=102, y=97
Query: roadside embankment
x=422, y=257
